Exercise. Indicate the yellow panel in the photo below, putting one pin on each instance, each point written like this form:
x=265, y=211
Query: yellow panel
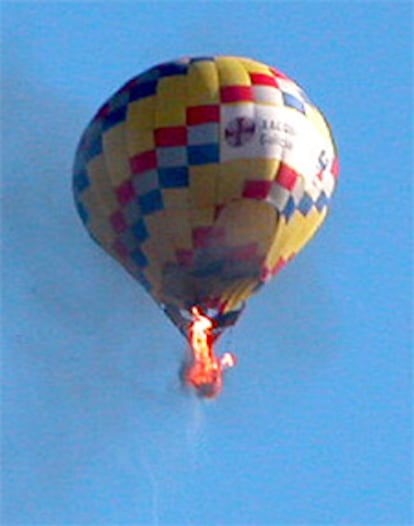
x=248, y=221
x=101, y=229
x=234, y=173
x=230, y=184
x=202, y=216
x=178, y=229
x=140, y=141
x=293, y=236
x=139, y=125
x=116, y=154
x=240, y=292
x=171, y=101
x=260, y=169
x=232, y=72
x=141, y=113
x=203, y=84
x=153, y=271
x=176, y=198
x=98, y=175
x=252, y=66
x=203, y=185
x=316, y=118
x=308, y=227
x=156, y=227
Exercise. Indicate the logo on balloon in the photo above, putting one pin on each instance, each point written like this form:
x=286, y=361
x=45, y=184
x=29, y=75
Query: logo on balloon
x=239, y=131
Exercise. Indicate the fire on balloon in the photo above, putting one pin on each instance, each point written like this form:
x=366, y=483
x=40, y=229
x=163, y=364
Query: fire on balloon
x=205, y=371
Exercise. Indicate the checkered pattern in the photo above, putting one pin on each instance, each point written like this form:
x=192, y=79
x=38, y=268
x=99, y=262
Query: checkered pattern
x=153, y=189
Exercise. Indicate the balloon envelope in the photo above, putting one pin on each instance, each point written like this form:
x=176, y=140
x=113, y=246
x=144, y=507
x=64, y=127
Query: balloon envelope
x=203, y=177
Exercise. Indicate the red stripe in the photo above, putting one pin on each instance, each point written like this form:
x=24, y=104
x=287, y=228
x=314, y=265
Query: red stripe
x=236, y=93
x=335, y=167
x=143, y=162
x=263, y=80
x=202, y=114
x=172, y=136
x=286, y=176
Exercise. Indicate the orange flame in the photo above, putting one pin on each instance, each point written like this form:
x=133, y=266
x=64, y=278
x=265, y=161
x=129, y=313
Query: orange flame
x=205, y=373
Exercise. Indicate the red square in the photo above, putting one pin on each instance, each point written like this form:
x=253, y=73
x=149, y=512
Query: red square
x=125, y=193
x=286, y=176
x=118, y=222
x=120, y=249
x=172, y=136
x=201, y=114
x=256, y=189
x=236, y=93
x=263, y=80
x=103, y=111
x=143, y=162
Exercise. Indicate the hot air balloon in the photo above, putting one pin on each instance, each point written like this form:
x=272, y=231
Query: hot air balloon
x=203, y=177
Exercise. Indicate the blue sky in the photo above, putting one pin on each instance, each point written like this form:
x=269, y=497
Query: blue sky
x=315, y=423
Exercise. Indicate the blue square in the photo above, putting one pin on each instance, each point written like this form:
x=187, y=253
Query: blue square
x=139, y=258
x=172, y=68
x=143, y=90
x=203, y=154
x=93, y=148
x=305, y=204
x=81, y=181
x=289, y=208
x=293, y=102
x=114, y=118
x=322, y=201
x=143, y=281
x=150, y=202
x=175, y=177
x=140, y=231
x=83, y=213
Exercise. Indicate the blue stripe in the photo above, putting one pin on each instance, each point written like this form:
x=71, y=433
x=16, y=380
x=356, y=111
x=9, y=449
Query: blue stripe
x=140, y=231
x=81, y=181
x=114, y=118
x=143, y=90
x=203, y=154
x=150, y=202
x=175, y=177
x=83, y=213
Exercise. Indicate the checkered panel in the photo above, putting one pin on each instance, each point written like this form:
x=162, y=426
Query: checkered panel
x=152, y=187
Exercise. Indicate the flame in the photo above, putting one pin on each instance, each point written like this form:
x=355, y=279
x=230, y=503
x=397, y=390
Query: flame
x=205, y=373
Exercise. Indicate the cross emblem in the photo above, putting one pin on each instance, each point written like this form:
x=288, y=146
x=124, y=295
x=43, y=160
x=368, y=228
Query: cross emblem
x=239, y=131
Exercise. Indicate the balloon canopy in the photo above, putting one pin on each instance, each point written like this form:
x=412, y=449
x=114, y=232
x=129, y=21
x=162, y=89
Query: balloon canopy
x=203, y=177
